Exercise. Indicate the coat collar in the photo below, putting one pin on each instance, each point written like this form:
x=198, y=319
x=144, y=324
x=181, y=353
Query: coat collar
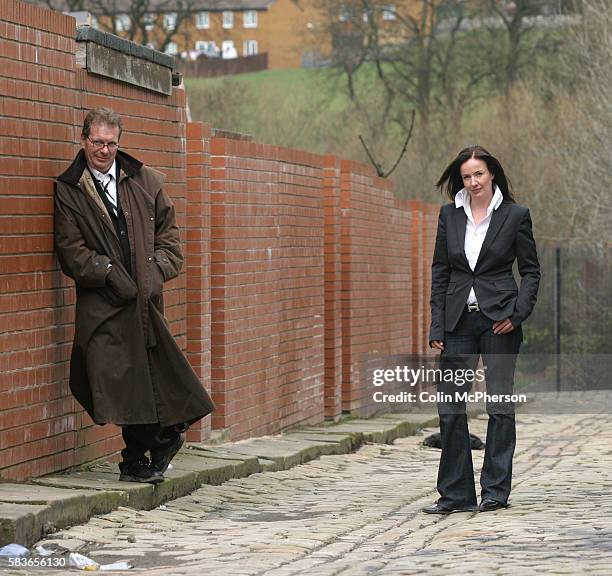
x=129, y=165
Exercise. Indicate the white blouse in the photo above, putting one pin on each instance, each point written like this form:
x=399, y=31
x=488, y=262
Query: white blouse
x=475, y=233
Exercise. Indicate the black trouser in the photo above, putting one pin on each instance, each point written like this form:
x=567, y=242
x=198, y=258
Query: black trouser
x=140, y=438
x=472, y=338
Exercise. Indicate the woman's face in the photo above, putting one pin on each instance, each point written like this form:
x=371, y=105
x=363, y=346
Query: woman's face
x=477, y=179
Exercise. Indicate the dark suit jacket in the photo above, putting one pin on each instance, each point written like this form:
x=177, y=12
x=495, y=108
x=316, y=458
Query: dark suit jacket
x=508, y=238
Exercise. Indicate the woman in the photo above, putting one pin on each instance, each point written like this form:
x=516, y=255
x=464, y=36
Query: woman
x=477, y=310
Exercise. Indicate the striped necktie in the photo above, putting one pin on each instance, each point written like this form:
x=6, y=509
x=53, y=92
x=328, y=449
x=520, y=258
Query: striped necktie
x=109, y=196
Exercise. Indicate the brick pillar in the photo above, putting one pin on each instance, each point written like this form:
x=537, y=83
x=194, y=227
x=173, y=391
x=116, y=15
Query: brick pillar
x=245, y=295
x=198, y=261
x=333, y=272
x=430, y=227
x=420, y=300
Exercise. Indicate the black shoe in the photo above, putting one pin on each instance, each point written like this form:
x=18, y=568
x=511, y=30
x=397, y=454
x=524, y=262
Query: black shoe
x=437, y=509
x=161, y=458
x=140, y=471
x=488, y=505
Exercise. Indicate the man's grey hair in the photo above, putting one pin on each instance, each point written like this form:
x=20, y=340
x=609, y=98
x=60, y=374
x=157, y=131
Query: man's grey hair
x=104, y=116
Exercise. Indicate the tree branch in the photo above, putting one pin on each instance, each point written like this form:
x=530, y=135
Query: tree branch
x=379, y=169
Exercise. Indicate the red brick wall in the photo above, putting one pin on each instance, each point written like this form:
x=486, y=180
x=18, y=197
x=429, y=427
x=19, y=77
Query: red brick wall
x=302, y=289
x=38, y=113
x=42, y=102
x=376, y=278
x=244, y=286
x=296, y=265
x=267, y=287
x=197, y=262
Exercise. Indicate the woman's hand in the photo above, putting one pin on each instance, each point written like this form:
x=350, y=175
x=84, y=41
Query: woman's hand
x=503, y=327
x=437, y=344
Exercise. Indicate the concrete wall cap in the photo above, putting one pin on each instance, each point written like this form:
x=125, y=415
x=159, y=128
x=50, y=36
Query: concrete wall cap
x=89, y=34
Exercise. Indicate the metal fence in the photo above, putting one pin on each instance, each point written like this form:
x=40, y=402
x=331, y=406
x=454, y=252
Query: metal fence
x=566, y=340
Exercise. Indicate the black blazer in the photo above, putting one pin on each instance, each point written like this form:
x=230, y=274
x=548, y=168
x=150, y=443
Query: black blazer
x=508, y=238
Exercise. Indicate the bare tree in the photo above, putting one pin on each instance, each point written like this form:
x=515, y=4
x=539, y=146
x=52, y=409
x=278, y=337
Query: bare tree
x=356, y=29
x=588, y=157
x=557, y=136
x=150, y=21
x=433, y=55
x=64, y=5
x=418, y=55
x=156, y=22
x=516, y=33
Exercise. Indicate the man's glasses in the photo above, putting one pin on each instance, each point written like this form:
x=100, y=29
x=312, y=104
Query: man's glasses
x=99, y=144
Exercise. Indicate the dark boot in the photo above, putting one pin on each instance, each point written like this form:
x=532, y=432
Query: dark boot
x=139, y=471
x=161, y=457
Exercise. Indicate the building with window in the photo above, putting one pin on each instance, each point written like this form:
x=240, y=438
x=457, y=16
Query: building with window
x=289, y=31
x=231, y=28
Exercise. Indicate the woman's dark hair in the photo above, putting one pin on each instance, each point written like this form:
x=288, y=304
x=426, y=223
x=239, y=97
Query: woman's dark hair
x=451, y=181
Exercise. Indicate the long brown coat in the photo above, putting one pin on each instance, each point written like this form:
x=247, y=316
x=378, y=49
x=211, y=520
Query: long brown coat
x=126, y=367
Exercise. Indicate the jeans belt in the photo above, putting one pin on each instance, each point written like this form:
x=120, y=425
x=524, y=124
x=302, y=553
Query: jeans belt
x=473, y=307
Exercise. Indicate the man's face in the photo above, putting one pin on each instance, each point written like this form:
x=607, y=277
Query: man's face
x=101, y=146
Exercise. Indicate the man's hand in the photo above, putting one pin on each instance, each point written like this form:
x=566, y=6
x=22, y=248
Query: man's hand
x=121, y=284
x=503, y=327
x=437, y=344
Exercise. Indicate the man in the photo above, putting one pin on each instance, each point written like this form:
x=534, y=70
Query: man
x=116, y=237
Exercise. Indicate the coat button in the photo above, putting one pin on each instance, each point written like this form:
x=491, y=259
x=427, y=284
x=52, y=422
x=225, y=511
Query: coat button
x=149, y=258
x=151, y=218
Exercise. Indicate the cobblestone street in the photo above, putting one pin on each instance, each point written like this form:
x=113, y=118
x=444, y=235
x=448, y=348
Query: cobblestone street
x=359, y=514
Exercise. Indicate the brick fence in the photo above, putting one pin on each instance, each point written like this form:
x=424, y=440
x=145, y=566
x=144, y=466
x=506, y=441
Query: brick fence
x=296, y=264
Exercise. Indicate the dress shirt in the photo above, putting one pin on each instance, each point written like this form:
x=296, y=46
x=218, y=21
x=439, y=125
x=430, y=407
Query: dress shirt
x=108, y=182
x=475, y=233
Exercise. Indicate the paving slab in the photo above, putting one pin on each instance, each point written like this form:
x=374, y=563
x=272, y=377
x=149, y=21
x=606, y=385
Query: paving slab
x=29, y=511
x=20, y=522
x=283, y=452
x=139, y=496
x=210, y=470
x=377, y=430
x=242, y=464
x=328, y=443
